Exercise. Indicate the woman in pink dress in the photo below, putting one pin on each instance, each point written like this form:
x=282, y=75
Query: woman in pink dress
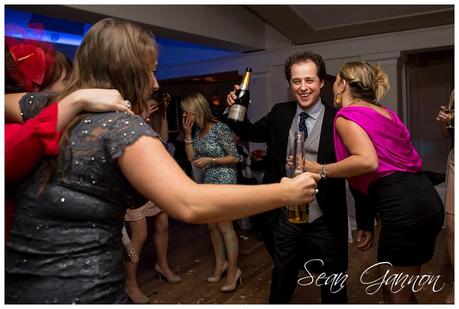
x=374, y=152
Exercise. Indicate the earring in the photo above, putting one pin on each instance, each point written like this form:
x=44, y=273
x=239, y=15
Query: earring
x=339, y=99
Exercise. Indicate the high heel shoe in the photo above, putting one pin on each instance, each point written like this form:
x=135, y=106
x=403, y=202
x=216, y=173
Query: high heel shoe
x=232, y=286
x=171, y=279
x=139, y=299
x=213, y=279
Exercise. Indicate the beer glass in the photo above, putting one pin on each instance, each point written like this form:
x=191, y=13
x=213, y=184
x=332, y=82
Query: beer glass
x=297, y=213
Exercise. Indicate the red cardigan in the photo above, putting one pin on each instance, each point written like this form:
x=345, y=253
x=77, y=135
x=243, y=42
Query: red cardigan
x=25, y=145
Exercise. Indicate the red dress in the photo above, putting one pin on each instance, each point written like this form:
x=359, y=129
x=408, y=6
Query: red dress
x=25, y=145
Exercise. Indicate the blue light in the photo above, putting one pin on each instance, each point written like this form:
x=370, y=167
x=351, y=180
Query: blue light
x=48, y=36
x=17, y=26
x=171, y=52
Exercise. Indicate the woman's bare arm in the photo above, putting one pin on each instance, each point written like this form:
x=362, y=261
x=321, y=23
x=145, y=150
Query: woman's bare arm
x=187, y=127
x=164, y=127
x=12, y=109
x=162, y=181
x=363, y=158
x=204, y=162
x=89, y=100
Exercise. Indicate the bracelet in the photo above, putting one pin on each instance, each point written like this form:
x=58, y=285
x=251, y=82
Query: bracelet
x=214, y=161
x=323, y=172
x=188, y=142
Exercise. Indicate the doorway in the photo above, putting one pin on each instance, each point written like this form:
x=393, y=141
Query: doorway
x=429, y=82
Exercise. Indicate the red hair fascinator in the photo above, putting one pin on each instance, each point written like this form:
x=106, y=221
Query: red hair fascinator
x=30, y=58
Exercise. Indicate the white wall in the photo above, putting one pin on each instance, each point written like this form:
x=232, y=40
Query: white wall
x=385, y=49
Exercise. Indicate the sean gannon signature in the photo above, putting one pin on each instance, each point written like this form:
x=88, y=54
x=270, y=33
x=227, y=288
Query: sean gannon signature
x=395, y=282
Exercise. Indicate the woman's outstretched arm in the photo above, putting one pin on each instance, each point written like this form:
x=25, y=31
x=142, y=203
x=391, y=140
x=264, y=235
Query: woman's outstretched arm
x=162, y=181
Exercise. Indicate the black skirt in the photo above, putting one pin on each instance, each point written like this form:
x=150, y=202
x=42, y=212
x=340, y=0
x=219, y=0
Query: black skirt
x=411, y=214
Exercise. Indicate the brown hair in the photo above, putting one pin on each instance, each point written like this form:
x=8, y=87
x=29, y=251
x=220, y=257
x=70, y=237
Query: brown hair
x=60, y=64
x=197, y=105
x=367, y=82
x=303, y=57
x=114, y=54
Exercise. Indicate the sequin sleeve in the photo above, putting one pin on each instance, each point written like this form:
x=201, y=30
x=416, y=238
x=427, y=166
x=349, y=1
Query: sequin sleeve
x=32, y=103
x=226, y=140
x=124, y=130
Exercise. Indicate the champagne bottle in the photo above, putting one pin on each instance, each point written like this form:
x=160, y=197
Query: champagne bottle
x=238, y=110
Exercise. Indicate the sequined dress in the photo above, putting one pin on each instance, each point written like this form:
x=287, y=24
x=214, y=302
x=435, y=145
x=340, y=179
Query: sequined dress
x=65, y=244
x=218, y=142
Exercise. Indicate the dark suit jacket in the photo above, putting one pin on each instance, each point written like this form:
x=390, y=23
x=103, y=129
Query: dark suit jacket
x=273, y=129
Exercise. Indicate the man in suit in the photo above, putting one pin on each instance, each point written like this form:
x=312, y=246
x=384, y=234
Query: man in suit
x=324, y=237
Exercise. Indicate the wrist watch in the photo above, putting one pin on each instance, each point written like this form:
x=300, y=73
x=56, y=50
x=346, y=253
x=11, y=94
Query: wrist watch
x=323, y=172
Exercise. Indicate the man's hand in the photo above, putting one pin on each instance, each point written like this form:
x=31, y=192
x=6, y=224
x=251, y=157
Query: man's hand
x=364, y=240
x=231, y=97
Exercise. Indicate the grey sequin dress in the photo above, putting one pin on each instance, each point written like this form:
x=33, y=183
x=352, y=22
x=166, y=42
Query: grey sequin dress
x=217, y=143
x=65, y=244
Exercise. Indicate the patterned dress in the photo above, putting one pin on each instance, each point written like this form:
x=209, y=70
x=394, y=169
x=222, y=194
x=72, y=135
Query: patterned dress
x=147, y=210
x=65, y=244
x=217, y=143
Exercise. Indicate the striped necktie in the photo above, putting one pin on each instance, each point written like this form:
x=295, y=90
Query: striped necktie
x=302, y=125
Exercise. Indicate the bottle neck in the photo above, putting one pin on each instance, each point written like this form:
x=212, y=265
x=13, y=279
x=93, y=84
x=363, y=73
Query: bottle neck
x=298, y=151
x=245, y=81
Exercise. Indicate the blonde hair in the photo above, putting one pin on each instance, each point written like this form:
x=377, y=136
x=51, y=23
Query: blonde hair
x=367, y=82
x=197, y=105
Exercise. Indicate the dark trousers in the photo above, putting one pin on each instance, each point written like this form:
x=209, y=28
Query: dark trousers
x=295, y=245
x=265, y=223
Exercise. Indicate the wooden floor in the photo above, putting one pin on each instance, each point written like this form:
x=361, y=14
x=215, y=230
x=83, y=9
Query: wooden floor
x=191, y=256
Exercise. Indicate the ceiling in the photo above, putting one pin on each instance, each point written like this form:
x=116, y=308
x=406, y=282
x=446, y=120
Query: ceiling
x=242, y=28
x=304, y=24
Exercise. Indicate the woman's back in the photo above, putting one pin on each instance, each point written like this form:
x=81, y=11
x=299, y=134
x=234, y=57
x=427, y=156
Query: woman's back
x=390, y=138
x=72, y=231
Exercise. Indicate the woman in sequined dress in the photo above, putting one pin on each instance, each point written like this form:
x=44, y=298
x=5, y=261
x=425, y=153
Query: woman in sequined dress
x=26, y=143
x=65, y=244
x=213, y=150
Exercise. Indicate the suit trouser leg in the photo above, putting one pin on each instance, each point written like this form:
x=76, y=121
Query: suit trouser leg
x=324, y=246
x=265, y=223
x=286, y=261
x=329, y=297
